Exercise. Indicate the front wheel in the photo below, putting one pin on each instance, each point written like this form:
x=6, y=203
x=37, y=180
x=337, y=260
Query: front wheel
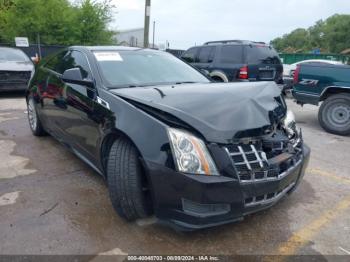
x=33, y=119
x=334, y=114
x=127, y=183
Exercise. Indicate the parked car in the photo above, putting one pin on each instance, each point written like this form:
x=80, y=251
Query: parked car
x=167, y=140
x=329, y=84
x=288, y=70
x=16, y=69
x=236, y=60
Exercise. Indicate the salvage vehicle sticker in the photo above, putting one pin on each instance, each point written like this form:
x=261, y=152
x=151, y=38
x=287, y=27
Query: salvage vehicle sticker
x=108, y=56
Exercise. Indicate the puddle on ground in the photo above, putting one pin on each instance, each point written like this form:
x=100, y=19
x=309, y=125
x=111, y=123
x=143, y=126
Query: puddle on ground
x=6, y=117
x=9, y=198
x=12, y=165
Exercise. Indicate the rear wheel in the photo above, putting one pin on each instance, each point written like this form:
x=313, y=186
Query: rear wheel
x=218, y=79
x=334, y=114
x=33, y=119
x=127, y=184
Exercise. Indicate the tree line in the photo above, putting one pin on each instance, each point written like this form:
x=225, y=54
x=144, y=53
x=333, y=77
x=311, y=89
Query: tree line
x=330, y=36
x=57, y=22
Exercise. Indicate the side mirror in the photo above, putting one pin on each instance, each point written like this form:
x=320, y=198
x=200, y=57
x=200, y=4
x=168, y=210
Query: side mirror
x=74, y=76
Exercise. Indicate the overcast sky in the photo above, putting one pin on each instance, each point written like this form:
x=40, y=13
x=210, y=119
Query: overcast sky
x=185, y=23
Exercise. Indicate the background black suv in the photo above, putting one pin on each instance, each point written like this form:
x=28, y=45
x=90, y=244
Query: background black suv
x=236, y=60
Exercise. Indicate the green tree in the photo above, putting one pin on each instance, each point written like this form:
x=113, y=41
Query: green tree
x=57, y=21
x=331, y=35
x=337, y=33
x=316, y=34
x=297, y=40
x=92, y=19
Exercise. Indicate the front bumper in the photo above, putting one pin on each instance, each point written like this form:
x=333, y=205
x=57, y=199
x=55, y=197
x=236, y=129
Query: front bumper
x=194, y=201
x=13, y=86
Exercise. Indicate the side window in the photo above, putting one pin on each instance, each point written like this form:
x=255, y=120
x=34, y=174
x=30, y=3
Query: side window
x=56, y=62
x=69, y=59
x=206, y=54
x=231, y=54
x=190, y=55
x=78, y=59
x=262, y=54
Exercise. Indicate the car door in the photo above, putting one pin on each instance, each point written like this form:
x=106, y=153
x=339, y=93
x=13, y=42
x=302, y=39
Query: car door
x=51, y=91
x=80, y=121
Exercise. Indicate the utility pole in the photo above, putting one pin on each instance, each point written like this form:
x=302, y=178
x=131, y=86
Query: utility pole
x=146, y=29
x=39, y=45
x=154, y=29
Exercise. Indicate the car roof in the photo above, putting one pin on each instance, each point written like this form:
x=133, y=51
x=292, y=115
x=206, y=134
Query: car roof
x=236, y=42
x=320, y=61
x=109, y=48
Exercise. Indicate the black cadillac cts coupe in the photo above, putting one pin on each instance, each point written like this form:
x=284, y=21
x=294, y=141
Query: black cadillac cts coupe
x=167, y=140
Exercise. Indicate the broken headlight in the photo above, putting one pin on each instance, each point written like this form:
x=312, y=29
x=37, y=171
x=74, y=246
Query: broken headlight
x=190, y=153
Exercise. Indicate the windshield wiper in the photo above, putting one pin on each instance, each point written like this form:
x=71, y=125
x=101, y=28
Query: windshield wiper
x=126, y=86
x=185, y=82
x=269, y=58
x=152, y=84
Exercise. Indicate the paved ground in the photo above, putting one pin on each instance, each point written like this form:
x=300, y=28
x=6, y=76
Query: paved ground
x=52, y=203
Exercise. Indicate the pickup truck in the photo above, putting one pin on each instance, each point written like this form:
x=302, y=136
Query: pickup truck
x=329, y=84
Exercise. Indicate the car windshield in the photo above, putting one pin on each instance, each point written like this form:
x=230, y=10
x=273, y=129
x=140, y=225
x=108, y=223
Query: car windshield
x=262, y=55
x=144, y=67
x=12, y=55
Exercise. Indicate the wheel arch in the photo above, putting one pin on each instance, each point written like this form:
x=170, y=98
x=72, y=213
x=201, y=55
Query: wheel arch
x=333, y=90
x=106, y=145
x=219, y=74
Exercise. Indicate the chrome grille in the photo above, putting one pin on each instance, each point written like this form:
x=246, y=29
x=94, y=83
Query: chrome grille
x=267, y=198
x=21, y=76
x=251, y=160
x=246, y=158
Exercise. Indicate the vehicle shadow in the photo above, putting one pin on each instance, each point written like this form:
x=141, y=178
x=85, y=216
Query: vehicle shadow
x=12, y=94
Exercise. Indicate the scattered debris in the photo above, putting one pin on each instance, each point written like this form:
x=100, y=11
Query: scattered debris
x=49, y=210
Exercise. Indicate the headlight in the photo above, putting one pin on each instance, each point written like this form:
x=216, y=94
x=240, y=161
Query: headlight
x=289, y=124
x=190, y=153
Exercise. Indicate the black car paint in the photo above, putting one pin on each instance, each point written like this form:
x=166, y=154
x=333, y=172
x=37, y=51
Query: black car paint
x=71, y=114
x=250, y=108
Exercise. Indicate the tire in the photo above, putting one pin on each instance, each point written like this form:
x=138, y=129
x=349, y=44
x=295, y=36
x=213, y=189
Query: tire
x=218, y=79
x=334, y=114
x=127, y=182
x=33, y=119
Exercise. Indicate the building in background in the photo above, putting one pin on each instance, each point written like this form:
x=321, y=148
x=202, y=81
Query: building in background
x=131, y=37
x=346, y=52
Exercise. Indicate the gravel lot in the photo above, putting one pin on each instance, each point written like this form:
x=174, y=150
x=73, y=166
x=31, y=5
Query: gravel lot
x=53, y=203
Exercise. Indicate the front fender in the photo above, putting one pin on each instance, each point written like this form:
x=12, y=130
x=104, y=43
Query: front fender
x=148, y=134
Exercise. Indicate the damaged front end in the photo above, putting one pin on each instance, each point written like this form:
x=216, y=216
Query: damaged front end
x=258, y=155
x=269, y=166
x=255, y=173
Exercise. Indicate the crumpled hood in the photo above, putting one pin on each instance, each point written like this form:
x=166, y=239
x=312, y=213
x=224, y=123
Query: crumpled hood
x=16, y=66
x=218, y=111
